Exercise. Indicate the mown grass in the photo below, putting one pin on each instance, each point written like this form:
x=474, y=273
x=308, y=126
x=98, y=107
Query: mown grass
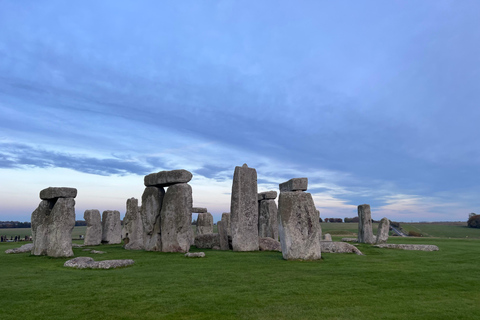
x=383, y=284
x=443, y=230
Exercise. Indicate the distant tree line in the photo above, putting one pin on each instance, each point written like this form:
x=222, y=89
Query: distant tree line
x=473, y=220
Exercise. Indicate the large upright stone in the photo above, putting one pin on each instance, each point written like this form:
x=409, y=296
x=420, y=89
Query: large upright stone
x=267, y=219
x=40, y=223
x=204, y=223
x=176, y=217
x=152, y=200
x=382, y=232
x=167, y=178
x=244, y=209
x=54, y=193
x=365, y=233
x=111, y=227
x=298, y=226
x=93, y=233
x=222, y=232
x=227, y=224
x=295, y=184
x=132, y=233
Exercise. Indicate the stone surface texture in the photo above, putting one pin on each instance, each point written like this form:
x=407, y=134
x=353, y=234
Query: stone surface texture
x=89, y=263
x=267, y=219
x=419, y=247
x=152, y=200
x=132, y=232
x=267, y=195
x=54, y=193
x=350, y=239
x=199, y=210
x=207, y=241
x=339, y=247
x=167, y=178
x=223, y=236
x=227, y=224
x=365, y=233
x=204, y=223
x=327, y=237
x=295, y=184
x=25, y=248
x=269, y=244
x=382, y=231
x=195, y=254
x=111, y=227
x=93, y=233
x=298, y=226
x=244, y=209
x=176, y=218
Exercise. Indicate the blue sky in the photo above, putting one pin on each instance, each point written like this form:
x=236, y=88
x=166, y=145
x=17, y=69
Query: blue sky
x=374, y=101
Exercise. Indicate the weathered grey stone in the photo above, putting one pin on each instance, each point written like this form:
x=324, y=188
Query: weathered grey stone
x=295, y=184
x=226, y=223
x=419, y=247
x=195, y=254
x=204, y=223
x=244, y=209
x=111, y=227
x=223, y=236
x=207, y=241
x=339, y=247
x=54, y=193
x=152, y=200
x=97, y=252
x=382, y=232
x=176, y=218
x=365, y=233
x=298, y=226
x=167, y=178
x=132, y=233
x=267, y=195
x=269, y=244
x=267, y=219
x=25, y=248
x=89, y=263
x=349, y=239
x=93, y=233
x=319, y=225
x=40, y=223
x=76, y=245
x=199, y=210
x=327, y=237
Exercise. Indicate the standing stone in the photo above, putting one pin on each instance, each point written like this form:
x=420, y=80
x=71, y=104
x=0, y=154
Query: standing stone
x=222, y=232
x=176, y=217
x=298, y=226
x=40, y=225
x=111, y=227
x=365, y=233
x=226, y=223
x=244, y=209
x=267, y=215
x=204, y=223
x=382, y=232
x=152, y=200
x=319, y=225
x=93, y=233
x=133, y=227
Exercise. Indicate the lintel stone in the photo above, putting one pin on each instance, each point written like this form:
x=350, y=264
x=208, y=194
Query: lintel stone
x=167, y=178
x=54, y=193
x=199, y=210
x=267, y=195
x=295, y=184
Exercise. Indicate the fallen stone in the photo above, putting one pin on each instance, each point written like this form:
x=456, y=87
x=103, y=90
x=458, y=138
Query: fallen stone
x=327, y=237
x=269, y=244
x=195, y=254
x=167, y=178
x=204, y=223
x=97, y=252
x=152, y=200
x=349, y=240
x=93, y=233
x=25, y=248
x=382, y=231
x=54, y=193
x=76, y=245
x=419, y=247
x=339, y=247
x=198, y=210
x=207, y=241
x=215, y=248
x=223, y=236
x=89, y=263
x=295, y=184
x=87, y=250
x=132, y=232
x=267, y=219
x=111, y=227
x=365, y=233
x=267, y=195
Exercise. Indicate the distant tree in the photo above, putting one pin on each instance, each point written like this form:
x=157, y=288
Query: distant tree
x=472, y=214
x=320, y=219
x=474, y=221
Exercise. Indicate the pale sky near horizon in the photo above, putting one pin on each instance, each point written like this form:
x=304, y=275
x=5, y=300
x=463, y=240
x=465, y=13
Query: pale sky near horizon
x=375, y=102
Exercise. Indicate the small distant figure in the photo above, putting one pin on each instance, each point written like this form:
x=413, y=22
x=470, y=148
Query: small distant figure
x=81, y=237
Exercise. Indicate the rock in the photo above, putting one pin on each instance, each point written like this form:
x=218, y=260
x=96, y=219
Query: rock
x=339, y=247
x=76, y=245
x=204, y=223
x=419, y=247
x=267, y=195
x=349, y=240
x=327, y=237
x=89, y=263
x=40, y=223
x=207, y=241
x=54, y=193
x=87, y=250
x=97, y=252
x=195, y=254
x=167, y=178
x=269, y=244
x=295, y=184
x=111, y=227
x=152, y=200
x=198, y=210
x=25, y=248
x=298, y=226
x=176, y=218
x=319, y=225
x=365, y=233
x=226, y=223
x=223, y=236
x=132, y=233
x=93, y=233
x=382, y=232
x=267, y=219
x=244, y=209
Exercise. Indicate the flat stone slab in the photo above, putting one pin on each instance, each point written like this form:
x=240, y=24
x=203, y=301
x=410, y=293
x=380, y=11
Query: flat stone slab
x=54, y=193
x=418, y=247
x=199, y=210
x=349, y=239
x=267, y=195
x=295, y=184
x=89, y=263
x=25, y=248
x=339, y=247
x=167, y=178
x=76, y=245
x=269, y=244
x=195, y=254
x=97, y=252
